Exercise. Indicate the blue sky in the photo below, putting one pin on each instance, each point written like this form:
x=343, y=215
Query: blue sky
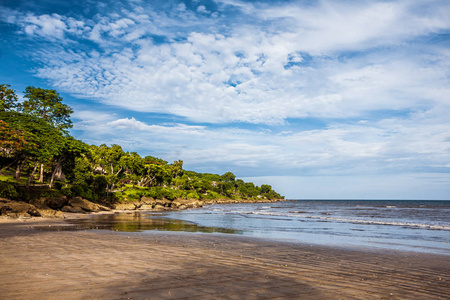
x=320, y=99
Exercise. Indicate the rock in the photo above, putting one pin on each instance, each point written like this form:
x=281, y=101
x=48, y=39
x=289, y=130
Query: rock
x=16, y=209
x=148, y=201
x=163, y=202
x=159, y=207
x=57, y=203
x=71, y=209
x=50, y=213
x=39, y=203
x=86, y=205
x=146, y=207
x=186, y=203
x=125, y=206
x=44, y=210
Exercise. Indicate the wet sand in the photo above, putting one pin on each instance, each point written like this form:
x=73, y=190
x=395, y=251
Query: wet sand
x=100, y=264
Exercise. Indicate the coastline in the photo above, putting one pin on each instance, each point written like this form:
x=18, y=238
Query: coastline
x=62, y=208
x=99, y=264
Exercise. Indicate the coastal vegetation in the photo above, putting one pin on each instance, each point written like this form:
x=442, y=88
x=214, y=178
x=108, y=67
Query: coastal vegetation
x=39, y=158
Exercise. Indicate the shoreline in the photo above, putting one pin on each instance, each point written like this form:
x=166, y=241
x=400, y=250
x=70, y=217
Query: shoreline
x=101, y=264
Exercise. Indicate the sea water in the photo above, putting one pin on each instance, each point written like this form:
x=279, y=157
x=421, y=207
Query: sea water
x=422, y=226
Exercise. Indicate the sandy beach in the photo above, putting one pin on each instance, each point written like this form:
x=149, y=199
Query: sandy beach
x=38, y=262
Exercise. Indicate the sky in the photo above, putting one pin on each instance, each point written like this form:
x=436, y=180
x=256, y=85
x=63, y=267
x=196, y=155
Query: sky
x=326, y=99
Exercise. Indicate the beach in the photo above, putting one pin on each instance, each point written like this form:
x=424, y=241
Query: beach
x=39, y=260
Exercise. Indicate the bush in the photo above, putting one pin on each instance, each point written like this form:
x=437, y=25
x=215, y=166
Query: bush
x=66, y=191
x=84, y=192
x=7, y=190
x=169, y=193
x=192, y=195
x=153, y=193
x=213, y=195
x=76, y=190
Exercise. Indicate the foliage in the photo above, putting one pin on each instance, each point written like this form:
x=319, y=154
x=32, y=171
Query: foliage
x=8, y=98
x=8, y=190
x=47, y=104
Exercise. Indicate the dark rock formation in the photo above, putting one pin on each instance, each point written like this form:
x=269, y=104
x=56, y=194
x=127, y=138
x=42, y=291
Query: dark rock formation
x=17, y=209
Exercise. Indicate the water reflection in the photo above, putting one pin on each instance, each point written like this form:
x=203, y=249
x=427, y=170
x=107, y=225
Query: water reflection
x=137, y=222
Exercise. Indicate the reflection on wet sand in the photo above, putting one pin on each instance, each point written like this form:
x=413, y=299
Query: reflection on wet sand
x=137, y=222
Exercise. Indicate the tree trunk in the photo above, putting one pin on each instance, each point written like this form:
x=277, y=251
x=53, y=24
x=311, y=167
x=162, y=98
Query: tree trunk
x=18, y=169
x=41, y=175
x=17, y=175
x=55, y=171
x=32, y=174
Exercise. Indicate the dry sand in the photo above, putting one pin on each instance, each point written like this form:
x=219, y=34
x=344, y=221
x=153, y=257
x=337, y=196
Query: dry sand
x=36, y=264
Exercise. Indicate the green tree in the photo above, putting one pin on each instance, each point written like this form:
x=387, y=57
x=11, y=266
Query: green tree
x=8, y=98
x=265, y=188
x=70, y=150
x=228, y=177
x=47, y=104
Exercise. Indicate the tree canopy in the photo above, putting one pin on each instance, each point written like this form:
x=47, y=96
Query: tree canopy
x=47, y=104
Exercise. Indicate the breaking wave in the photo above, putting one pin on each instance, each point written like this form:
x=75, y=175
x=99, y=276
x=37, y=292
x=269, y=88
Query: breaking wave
x=301, y=214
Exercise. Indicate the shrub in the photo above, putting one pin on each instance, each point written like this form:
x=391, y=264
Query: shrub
x=76, y=190
x=154, y=193
x=8, y=190
x=213, y=195
x=66, y=191
x=192, y=195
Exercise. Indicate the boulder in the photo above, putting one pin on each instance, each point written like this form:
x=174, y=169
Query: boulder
x=39, y=203
x=50, y=213
x=44, y=210
x=186, y=203
x=159, y=207
x=52, y=203
x=85, y=205
x=16, y=209
x=148, y=201
x=57, y=203
x=70, y=209
x=146, y=207
x=163, y=202
x=125, y=206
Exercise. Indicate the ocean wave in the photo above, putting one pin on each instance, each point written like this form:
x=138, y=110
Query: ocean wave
x=375, y=222
x=349, y=220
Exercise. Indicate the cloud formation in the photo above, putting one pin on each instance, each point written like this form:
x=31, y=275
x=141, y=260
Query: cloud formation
x=282, y=63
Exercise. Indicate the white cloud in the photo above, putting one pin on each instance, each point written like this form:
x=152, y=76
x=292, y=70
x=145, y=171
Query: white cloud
x=256, y=73
x=388, y=146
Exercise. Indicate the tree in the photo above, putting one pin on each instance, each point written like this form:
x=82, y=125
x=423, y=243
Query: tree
x=71, y=149
x=265, y=188
x=43, y=140
x=8, y=98
x=12, y=140
x=108, y=158
x=177, y=168
x=228, y=177
x=47, y=104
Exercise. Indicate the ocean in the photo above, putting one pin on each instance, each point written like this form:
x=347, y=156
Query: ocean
x=421, y=226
